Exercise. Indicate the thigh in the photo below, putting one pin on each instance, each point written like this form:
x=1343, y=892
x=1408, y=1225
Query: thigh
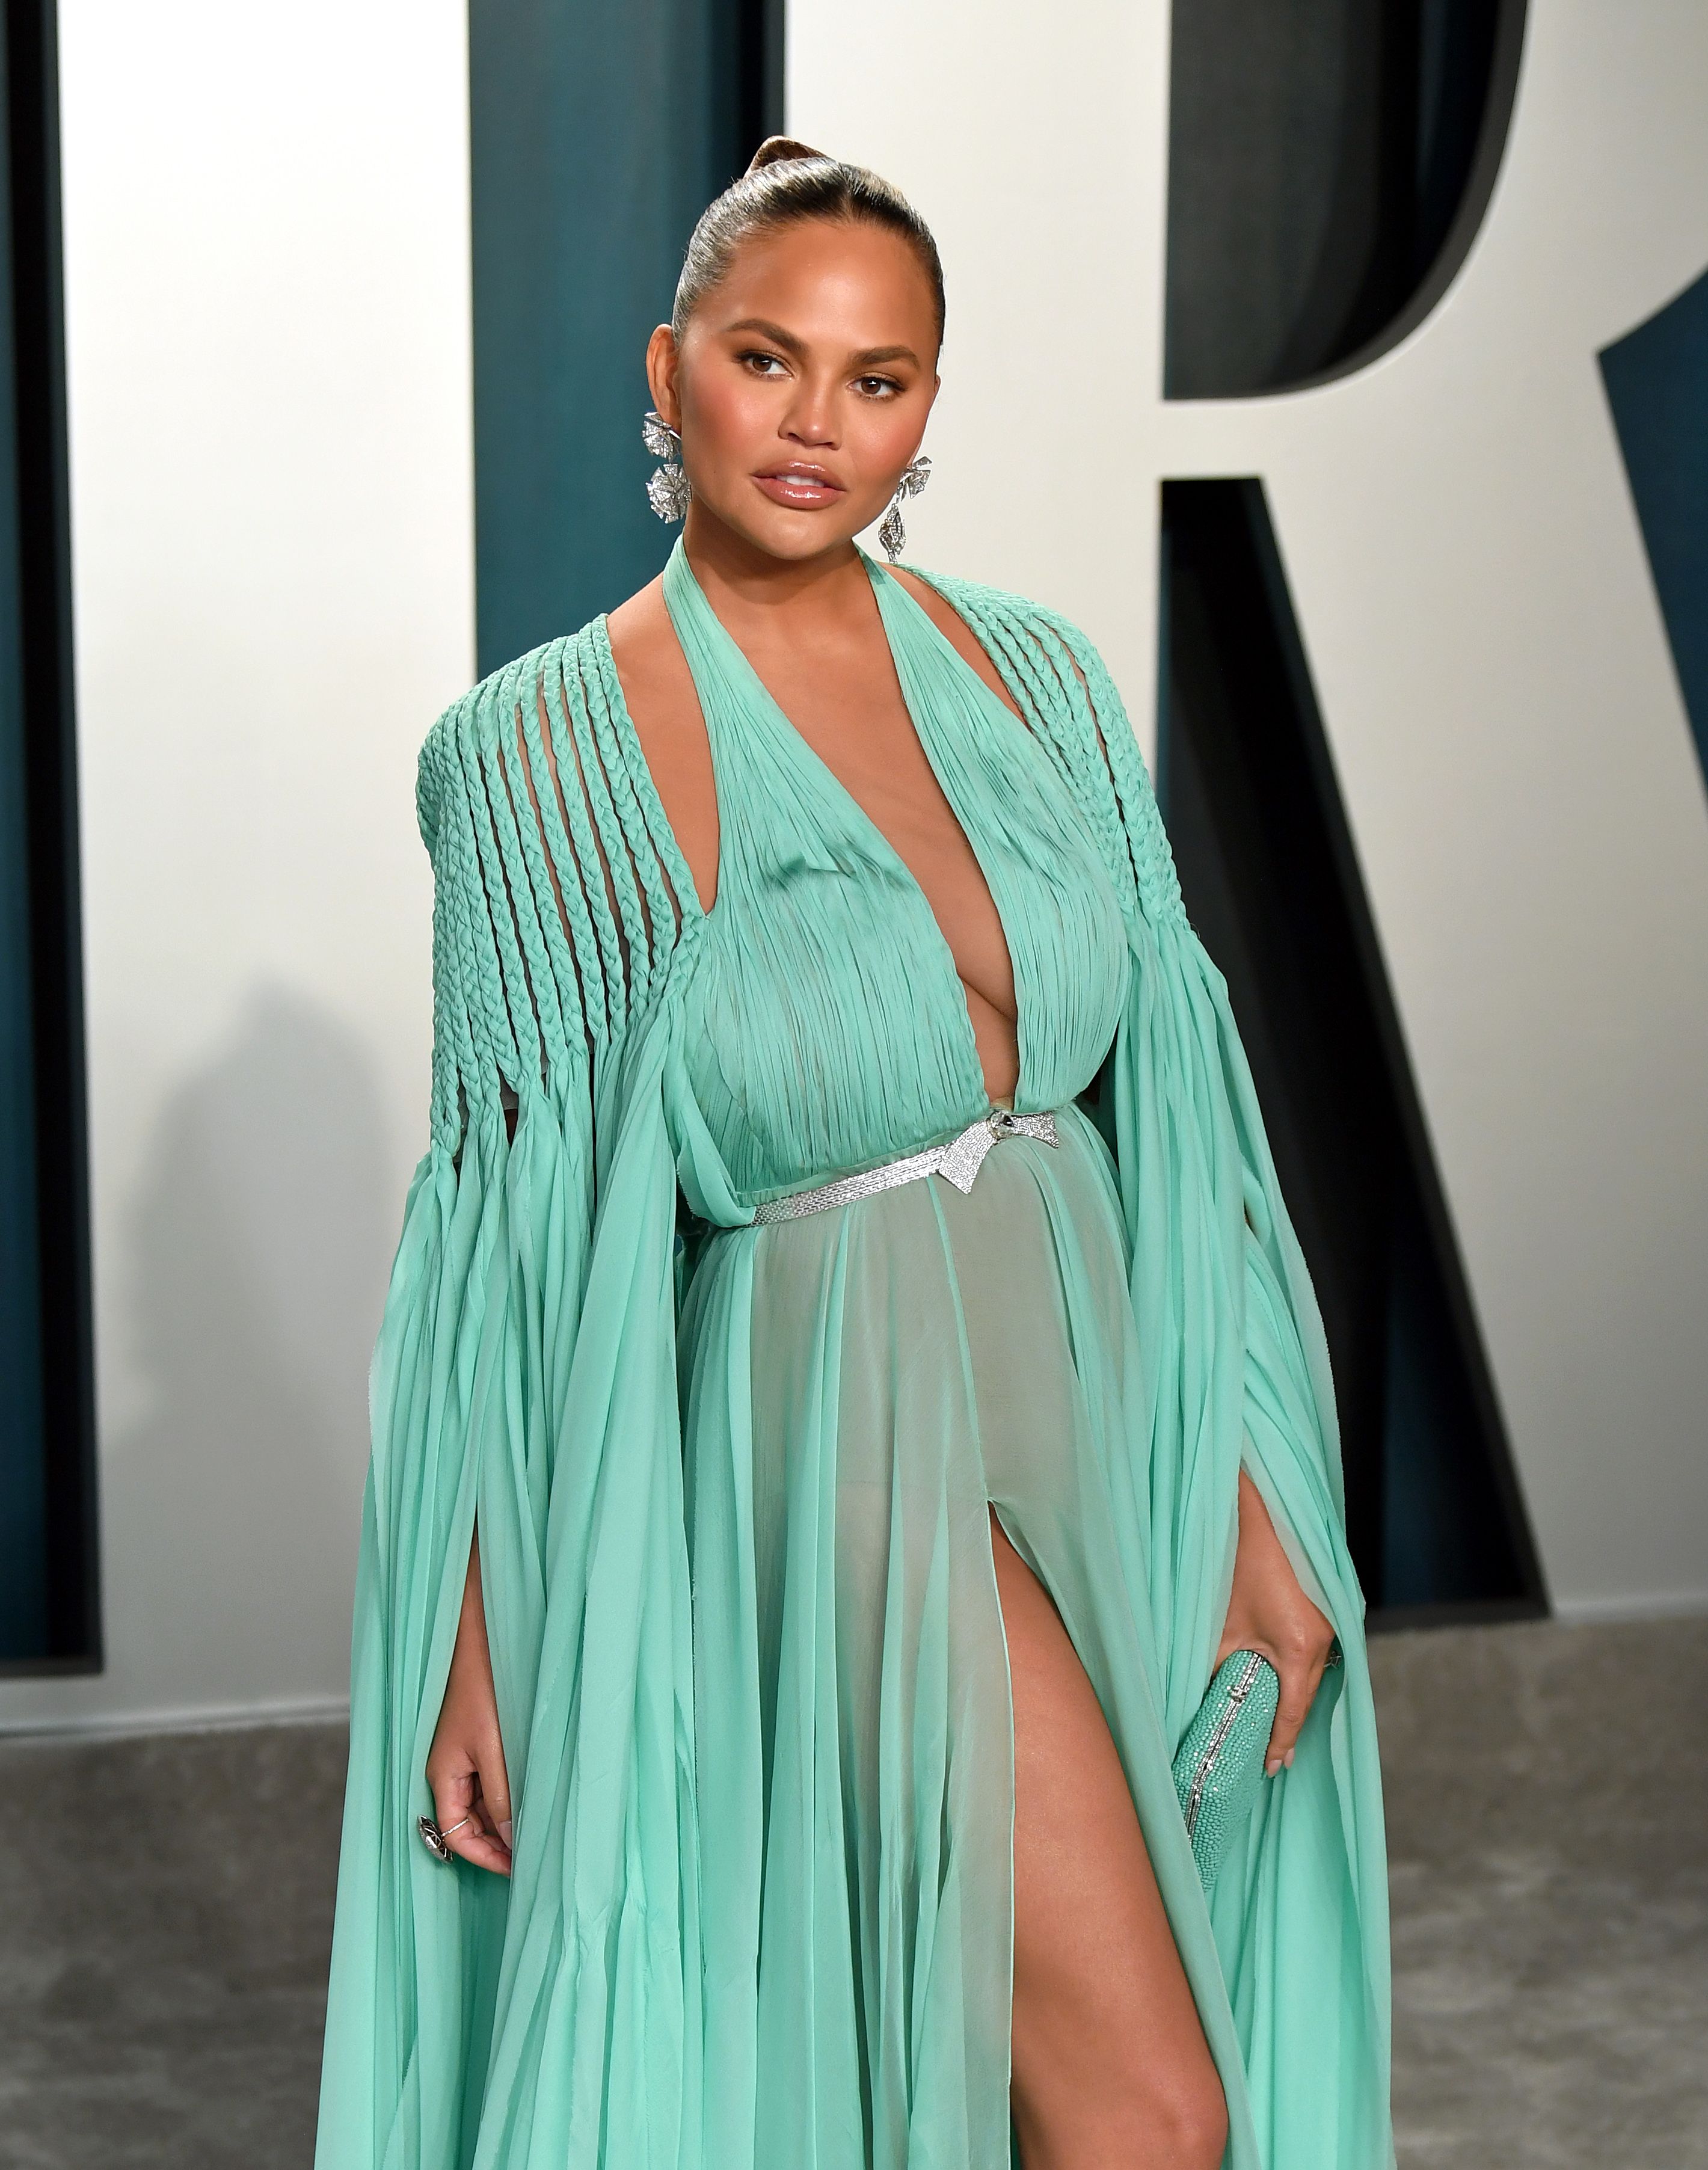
x=1107, y=2039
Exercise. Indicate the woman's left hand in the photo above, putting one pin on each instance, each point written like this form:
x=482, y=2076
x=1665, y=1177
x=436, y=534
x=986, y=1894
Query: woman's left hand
x=1269, y=1613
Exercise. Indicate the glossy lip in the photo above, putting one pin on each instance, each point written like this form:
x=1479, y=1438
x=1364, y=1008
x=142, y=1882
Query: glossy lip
x=801, y=484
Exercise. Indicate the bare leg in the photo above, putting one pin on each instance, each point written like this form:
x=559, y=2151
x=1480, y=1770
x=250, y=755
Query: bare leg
x=1111, y=2068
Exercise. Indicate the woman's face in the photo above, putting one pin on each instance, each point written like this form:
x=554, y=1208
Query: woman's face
x=801, y=384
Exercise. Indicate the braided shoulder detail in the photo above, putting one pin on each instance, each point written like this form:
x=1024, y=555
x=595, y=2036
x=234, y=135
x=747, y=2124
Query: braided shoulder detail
x=1154, y=856
x=555, y=883
x=455, y=1055
x=1065, y=690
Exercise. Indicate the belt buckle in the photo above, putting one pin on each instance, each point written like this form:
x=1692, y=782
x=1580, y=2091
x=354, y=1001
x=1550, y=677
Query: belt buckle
x=964, y=1156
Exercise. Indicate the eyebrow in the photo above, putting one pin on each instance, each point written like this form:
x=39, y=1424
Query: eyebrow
x=787, y=340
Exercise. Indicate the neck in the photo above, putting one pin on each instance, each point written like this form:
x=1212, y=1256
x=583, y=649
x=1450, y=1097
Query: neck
x=747, y=584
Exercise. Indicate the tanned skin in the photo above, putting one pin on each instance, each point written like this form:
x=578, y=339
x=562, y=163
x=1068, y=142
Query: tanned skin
x=801, y=387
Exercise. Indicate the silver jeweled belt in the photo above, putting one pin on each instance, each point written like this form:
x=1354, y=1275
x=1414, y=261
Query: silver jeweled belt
x=959, y=1160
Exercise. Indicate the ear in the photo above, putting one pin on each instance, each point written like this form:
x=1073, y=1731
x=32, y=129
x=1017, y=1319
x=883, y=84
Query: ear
x=663, y=359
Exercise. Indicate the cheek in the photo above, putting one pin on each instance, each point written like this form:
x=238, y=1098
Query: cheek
x=881, y=434
x=732, y=419
x=891, y=428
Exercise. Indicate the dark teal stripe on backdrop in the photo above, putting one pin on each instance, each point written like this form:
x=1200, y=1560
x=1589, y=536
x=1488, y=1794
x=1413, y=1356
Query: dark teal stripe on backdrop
x=23, y=1430
x=49, y=1610
x=599, y=133
x=1656, y=380
x=1435, y=1518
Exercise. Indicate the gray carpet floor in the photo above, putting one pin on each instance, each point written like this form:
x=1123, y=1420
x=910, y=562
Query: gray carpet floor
x=1547, y=1793
x=165, y=1911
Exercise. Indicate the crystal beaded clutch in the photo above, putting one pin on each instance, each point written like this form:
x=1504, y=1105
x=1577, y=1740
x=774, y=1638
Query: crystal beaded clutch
x=1219, y=1770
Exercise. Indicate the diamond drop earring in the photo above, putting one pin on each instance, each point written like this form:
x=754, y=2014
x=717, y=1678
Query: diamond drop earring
x=667, y=487
x=913, y=480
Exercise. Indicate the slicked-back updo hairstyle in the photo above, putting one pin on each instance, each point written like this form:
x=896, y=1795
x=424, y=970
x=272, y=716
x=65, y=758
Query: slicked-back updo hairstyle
x=786, y=182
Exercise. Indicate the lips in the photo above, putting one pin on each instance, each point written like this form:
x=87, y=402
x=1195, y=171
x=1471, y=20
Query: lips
x=802, y=487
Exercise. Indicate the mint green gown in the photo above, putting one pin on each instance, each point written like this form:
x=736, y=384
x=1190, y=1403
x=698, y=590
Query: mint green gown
x=732, y=1481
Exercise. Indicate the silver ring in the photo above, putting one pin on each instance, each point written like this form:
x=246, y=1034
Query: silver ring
x=434, y=1839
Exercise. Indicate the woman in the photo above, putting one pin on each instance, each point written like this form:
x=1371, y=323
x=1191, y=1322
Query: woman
x=786, y=1592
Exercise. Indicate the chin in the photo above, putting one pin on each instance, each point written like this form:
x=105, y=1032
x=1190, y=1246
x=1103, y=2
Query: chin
x=798, y=548
x=796, y=539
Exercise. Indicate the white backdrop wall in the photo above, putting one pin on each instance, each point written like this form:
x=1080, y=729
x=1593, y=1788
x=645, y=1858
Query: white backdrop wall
x=266, y=216
x=267, y=295
x=1474, y=598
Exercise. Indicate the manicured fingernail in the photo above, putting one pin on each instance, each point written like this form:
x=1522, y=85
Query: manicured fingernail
x=1272, y=1765
x=1287, y=1759
x=504, y=1829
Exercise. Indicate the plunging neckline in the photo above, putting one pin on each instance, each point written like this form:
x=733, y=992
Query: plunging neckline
x=832, y=786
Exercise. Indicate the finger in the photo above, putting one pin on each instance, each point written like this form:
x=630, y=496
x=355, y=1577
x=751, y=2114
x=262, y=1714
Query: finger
x=495, y=1790
x=477, y=1841
x=453, y=1794
x=457, y=1796
x=1299, y=1678
x=475, y=1844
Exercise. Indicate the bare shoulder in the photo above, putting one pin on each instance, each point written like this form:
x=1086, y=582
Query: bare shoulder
x=663, y=707
x=955, y=628
x=657, y=686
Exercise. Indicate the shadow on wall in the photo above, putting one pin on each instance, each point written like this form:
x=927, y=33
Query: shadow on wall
x=257, y=1252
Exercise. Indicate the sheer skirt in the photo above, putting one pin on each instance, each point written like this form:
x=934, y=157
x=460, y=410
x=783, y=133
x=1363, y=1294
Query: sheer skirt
x=862, y=1385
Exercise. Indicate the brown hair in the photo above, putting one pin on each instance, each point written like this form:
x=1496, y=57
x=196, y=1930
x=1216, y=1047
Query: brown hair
x=785, y=183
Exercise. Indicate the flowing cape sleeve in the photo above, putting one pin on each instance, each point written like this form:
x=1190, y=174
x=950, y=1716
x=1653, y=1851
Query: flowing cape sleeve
x=1238, y=1375
x=525, y=1374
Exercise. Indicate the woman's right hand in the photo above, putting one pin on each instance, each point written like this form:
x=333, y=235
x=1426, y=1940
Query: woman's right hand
x=465, y=1763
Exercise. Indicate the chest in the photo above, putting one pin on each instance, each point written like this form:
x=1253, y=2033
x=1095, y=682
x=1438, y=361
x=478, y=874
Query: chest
x=850, y=729
x=909, y=903
x=941, y=874
x=857, y=727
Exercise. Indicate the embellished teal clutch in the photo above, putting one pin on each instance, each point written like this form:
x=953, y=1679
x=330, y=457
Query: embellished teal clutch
x=1219, y=1770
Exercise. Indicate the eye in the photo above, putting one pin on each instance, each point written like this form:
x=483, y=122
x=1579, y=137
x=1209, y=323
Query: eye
x=877, y=387
x=760, y=362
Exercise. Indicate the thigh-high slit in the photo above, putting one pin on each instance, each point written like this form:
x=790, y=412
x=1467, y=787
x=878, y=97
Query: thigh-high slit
x=919, y=1362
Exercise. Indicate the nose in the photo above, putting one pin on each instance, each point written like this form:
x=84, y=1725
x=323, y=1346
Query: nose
x=811, y=419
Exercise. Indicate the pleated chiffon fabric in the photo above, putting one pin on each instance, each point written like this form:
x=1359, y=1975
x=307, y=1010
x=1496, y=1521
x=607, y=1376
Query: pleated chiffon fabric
x=733, y=1482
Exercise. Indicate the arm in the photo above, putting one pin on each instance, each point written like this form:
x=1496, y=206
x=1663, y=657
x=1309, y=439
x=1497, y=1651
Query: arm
x=573, y=1600
x=466, y=1768
x=465, y=1764
x=1270, y=1613
x=1268, y=1610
